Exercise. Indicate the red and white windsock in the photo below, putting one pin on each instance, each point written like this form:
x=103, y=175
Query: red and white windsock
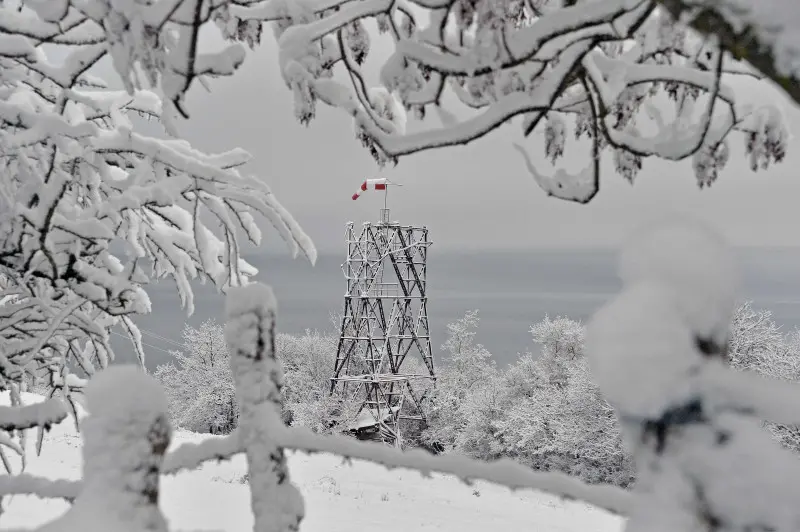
x=372, y=184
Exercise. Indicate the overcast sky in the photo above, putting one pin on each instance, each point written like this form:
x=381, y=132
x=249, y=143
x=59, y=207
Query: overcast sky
x=479, y=196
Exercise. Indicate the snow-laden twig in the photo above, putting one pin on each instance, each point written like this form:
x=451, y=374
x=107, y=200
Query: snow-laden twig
x=44, y=414
x=746, y=391
x=762, y=32
x=504, y=472
x=191, y=455
x=44, y=488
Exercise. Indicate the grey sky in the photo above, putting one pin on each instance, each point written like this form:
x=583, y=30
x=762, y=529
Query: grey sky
x=479, y=196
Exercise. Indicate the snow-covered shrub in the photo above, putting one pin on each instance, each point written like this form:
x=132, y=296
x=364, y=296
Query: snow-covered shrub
x=544, y=411
x=326, y=414
x=757, y=344
x=92, y=209
x=307, y=362
x=547, y=412
x=467, y=367
x=556, y=418
x=201, y=391
x=198, y=383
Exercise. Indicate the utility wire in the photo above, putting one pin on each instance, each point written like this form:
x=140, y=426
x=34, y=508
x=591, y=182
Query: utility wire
x=143, y=343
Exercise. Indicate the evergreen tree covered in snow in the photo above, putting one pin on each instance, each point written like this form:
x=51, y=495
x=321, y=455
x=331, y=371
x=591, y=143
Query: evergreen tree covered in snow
x=91, y=210
x=627, y=76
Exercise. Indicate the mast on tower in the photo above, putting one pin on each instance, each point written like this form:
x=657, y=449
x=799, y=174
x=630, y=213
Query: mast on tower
x=385, y=321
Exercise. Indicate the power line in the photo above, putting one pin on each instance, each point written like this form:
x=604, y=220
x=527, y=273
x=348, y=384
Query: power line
x=143, y=343
x=163, y=339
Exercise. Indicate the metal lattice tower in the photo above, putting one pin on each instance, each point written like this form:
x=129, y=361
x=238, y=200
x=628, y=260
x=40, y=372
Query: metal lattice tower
x=385, y=320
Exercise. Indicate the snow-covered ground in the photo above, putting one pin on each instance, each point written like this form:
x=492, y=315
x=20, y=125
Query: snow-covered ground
x=339, y=497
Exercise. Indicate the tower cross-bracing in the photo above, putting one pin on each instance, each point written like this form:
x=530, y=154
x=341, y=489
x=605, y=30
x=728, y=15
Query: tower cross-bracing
x=384, y=322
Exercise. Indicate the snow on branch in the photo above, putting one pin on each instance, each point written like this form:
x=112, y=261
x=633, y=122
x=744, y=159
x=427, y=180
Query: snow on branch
x=191, y=455
x=44, y=488
x=761, y=32
x=748, y=392
x=504, y=472
x=91, y=210
x=186, y=457
x=603, y=66
x=580, y=188
x=44, y=414
x=693, y=424
x=124, y=437
x=250, y=335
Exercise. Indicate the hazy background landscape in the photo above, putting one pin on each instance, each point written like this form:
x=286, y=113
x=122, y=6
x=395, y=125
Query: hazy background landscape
x=512, y=289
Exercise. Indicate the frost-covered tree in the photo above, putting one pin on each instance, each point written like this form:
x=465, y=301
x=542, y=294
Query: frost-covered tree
x=307, y=360
x=198, y=382
x=556, y=418
x=201, y=391
x=92, y=210
x=757, y=344
x=544, y=411
x=621, y=74
x=467, y=367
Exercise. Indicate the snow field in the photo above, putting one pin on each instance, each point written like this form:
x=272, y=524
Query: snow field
x=338, y=497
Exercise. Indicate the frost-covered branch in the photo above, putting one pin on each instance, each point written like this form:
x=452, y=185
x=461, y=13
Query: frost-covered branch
x=250, y=334
x=503, y=472
x=761, y=32
x=44, y=488
x=191, y=455
x=44, y=414
x=534, y=60
x=91, y=210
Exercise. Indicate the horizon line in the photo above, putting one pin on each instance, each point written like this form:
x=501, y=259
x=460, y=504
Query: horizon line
x=276, y=251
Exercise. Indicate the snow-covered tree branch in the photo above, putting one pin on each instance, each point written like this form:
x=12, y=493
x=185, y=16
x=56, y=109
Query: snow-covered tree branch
x=693, y=424
x=626, y=75
x=88, y=203
x=250, y=334
x=763, y=33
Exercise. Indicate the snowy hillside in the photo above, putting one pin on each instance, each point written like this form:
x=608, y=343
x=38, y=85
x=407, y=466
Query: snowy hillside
x=339, y=497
